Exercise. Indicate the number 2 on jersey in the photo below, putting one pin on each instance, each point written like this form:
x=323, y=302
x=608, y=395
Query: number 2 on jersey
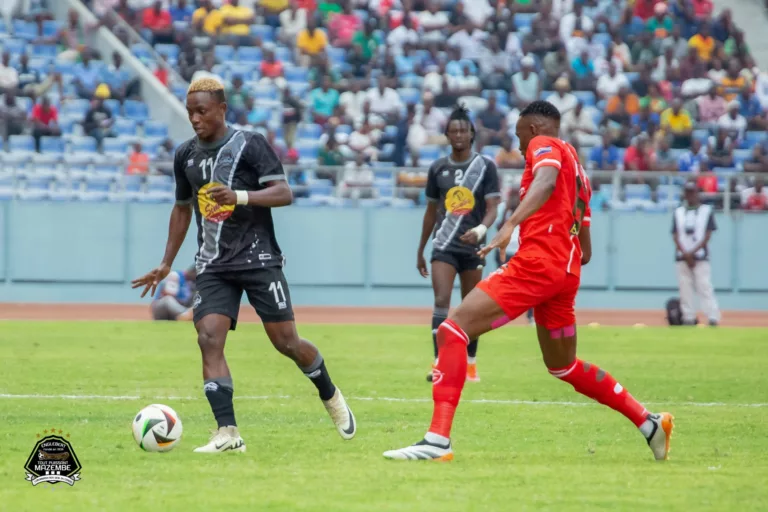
x=206, y=163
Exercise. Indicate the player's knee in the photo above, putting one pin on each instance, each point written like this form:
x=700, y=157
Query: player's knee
x=442, y=300
x=209, y=341
x=286, y=341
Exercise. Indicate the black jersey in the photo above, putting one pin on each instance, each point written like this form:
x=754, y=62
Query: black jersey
x=230, y=238
x=460, y=190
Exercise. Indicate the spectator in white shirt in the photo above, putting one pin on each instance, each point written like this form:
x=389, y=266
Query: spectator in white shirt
x=495, y=65
x=433, y=81
x=561, y=7
x=432, y=119
x=563, y=98
x=573, y=20
x=609, y=84
x=579, y=124
x=585, y=43
x=433, y=21
x=352, y=101
x=478, y=11
x=526, y=84
x=467, y=84
x=402, y=36
x=358, y=179
x=471, y=44
x=384, y=100
x=292, y=21
x=9, y=77
x=732, y=122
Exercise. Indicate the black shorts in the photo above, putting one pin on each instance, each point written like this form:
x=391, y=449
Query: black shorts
x=221, y=293
x=460, y=261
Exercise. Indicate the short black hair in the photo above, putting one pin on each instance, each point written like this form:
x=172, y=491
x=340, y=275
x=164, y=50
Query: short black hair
x=460, y=113
x=541, y=108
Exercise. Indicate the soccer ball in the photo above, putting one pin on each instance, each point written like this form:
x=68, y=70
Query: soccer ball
x=157, y=428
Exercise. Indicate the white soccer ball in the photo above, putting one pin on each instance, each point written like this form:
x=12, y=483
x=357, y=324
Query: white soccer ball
x=157, y=428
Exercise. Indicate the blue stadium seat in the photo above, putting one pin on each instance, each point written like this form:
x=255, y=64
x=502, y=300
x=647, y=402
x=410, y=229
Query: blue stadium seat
x=160, y=183
x=586, y=97
x=336, y=55
x=344, y=129
x=637, y=191
x=84, y=145
x=25, y=30
x=523, y=20
x=740, y=155
x=141, y=52
x=602, y=38
x=321, y=187
x=264, y=32
x=155, y=129
x=14, y=46
x=265, y=92
x=429, y=153
x=115, y=146
x=502, y=98
x=125, y=127
x=223, y=52
x=668, y=193
x=283, y=54
x=47, y=51
x=75, y=108
x=150, y=145
x=107, y=169
x=244, y=70
x=404, y=64
x=307, y=150
x=25, y=103
x=51, y=28
x=97, y=182
x=6, y=179
x=38, y=182
x=67, y=69
x=752, y=138
x=135, y=110
x=299, y=89
x=132, y=183
x=21, y=144
x=309, y=131
x=113, y=106
x=296, y=74
x=52, y=145
x=169, y=50
x=412, y=81
x=409, y=96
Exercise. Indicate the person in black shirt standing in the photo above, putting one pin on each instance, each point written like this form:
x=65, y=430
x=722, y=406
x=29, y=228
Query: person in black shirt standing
x=462, y=201
x=233, y=179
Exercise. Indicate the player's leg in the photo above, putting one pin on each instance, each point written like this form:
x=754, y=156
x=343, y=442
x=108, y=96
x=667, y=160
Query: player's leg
x=702, y=274
x=686, y=280
x=168, y=308
x=556, y=329
x=216, y=308
x=268, y=293
x=469, y=278
x=444, y=269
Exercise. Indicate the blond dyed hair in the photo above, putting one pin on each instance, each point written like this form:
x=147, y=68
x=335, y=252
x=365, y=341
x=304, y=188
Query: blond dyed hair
x=207, y=84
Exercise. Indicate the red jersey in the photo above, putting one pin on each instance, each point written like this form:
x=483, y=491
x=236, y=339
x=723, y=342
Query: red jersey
x=552, y=233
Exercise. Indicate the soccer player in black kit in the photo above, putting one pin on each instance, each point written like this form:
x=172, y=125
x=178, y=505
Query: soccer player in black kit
x=462, y=201
x=232, y=179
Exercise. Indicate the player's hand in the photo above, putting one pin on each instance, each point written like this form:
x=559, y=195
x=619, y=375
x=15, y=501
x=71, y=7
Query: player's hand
x=500, y=241
x=421, y=264
x=689, y=259
x=470, y=237
x=150, y=280
x=222, y=195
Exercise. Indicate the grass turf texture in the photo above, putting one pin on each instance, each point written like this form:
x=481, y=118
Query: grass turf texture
x=508, y=456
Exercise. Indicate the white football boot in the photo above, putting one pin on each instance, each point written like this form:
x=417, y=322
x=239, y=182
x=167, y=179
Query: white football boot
x=423, y=450
x=225, y=439
x=660, y=435
x=341, y=415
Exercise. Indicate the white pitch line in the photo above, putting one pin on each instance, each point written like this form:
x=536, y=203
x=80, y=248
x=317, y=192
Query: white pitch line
x=363, y=398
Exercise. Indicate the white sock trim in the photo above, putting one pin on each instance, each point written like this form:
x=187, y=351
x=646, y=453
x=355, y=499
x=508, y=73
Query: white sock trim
x=433, y=438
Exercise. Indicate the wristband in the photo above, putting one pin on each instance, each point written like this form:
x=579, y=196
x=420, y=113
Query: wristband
x=242, y=197
x=480, y=230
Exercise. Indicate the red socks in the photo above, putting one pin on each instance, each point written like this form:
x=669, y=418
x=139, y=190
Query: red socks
x=448, y=376
x=597, y=384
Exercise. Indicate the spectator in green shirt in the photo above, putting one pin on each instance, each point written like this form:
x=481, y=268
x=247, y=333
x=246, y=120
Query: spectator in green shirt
x=323, y=100
x=661, y=24
x=237, y=99
x=367, y=39
x=736, y=46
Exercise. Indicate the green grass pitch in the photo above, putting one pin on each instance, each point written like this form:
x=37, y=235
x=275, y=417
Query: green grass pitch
x=561, y=453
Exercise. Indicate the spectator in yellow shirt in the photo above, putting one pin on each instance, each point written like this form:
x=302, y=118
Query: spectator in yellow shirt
x=207, y=19
x=310, y=41
x=678, y=123
x=272, y=10
x=236, y=22
x=733, y=82
x=704, y=43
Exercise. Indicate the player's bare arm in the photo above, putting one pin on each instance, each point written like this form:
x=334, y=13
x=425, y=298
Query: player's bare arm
x=427, y=225
x=473, y=236
x=181, y=216
x=585, y=239
x=276, y=194
x=541, y=189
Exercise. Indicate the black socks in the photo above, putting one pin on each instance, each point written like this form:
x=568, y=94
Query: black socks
x=438, y=316
x=318, y=374
x=219, y=393
x=472, y=349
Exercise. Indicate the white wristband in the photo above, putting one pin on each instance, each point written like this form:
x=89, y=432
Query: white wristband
x=481, y=230
x=242, y=196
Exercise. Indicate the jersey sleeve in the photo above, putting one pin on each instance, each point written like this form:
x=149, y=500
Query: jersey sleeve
x=263, y=160
x=432, y=191
x=491, y=180
x=542, y=152
x=183, y=186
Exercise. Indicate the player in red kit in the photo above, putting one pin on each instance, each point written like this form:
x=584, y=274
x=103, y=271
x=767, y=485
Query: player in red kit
x=544, y=274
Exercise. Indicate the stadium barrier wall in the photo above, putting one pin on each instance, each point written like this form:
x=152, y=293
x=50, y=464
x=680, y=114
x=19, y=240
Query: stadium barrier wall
x=89, y=252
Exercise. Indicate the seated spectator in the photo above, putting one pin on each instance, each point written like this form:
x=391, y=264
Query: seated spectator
x=604, y=156
x=384, y=100
x=98, y=120
x=579, y=125
x=237, y=98
x=639, y=155
x=358, y=179
x=45, y=121
x=292, y=21
x=703, y=43
x=755, y=198
x=697, y=85
x=665, y=61
x=678, y=43
x=717, y=72
x=752, y=110
x=702, y=9
x=255, y=115
x=711, y=106
x=619, y=51
x=508, y=158
x=660, y=25
x=433, y=120
x=575, y=23
x=236, y=22
x=654, y=100
x=563, y=99
x=403, y=37
x=352, y=101
x=343, y=26
x=586, y=43
x=583, y=72
x=495, y=65
x=138, y=161
x=363, y=141
x=71, y=39
x=330, y=155
x=644, y=51
x=120, y=79
x=526, y=85
x=491, y=124
x=734, y=81
x=625, y=103
x=368, y=40
x=758, y=161
x=433, y=21
x=646, y=120
x=630, y=26
x=466, y=84
x=706, y=182
x=734, y=124
x=207, y=19
x=310, y=41
x=158, y=22
x=608, y=84
x=433, y=81
x=272, y=9
x=690, y=160
x=664, y=159
x=9, y=77
x=720, y=150
x=736, y=46
x=323, y=101
x=271, y=70
x=556, y=64
x=677, y=123
x=28, y=77
x=181, y=12
x=87, y=77
x=13, y=118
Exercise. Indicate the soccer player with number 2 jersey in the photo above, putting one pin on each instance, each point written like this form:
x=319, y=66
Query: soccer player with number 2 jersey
x=554, y=220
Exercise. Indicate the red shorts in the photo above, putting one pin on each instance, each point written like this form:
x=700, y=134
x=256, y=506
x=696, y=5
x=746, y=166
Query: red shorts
x=534, y=283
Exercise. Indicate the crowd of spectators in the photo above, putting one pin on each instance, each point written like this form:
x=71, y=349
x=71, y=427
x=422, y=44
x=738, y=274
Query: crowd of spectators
x=651, y=85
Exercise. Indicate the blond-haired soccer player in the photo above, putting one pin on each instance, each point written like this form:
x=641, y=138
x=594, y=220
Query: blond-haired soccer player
x=232, y=179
